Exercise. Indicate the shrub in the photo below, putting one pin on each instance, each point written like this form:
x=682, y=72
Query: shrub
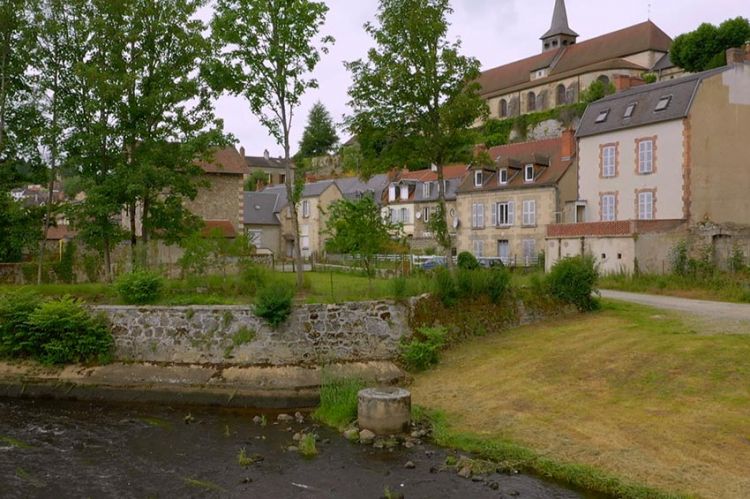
x=338, y=401
x=140, y=287
x=445, y=287
x=470, y=283
x=64, y=268
x=307, y=445
x=274, y=303
x=399, y=288
x=497, y=283
x=253, y=277
x=423, y=351
x=91, y=265
x=467, y=261
x=680, y=258
x=62, y=331
x=573, y=280
x=15, y=309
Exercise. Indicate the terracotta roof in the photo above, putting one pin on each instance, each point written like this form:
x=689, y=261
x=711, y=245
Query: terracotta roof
x=225, y=227
x=60, y=232
x=523, y=153
x=427, y=175
x=616, y=45
x=227, y=161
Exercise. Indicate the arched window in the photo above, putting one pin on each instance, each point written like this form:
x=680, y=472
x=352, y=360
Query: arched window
x=531, y=102
x=503, y=108
x=604, y=79
x=561, y=98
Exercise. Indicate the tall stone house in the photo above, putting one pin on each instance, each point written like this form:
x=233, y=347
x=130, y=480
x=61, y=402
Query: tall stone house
x=274, y=168
x=663, y=163
x=504, y=209
x=566, y=67
x=412, y=199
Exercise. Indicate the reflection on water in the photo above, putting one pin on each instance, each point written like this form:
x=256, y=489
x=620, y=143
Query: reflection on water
x=74, y=449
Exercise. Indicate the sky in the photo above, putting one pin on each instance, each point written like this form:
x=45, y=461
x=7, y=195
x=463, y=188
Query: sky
x=496, y=32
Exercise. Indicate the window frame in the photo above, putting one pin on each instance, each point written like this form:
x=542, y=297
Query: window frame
x=602, y=116
x=426, y=214
x=526, y=169
x=503, y=172
x=477, y=243
x=477, y=216
x=651, y=195
x=605, y=208
x=478, y=178
x=528, y=217
x=663, y=103
x=606, y=150
x=646, y=156
x=305, y=208
x=509, y=217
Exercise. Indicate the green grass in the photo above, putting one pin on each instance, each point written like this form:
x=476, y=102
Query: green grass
x=514, y=457
x=628, y=401
x=727, y=287
x=307, y=445
x=203, y=484
x=338, y=402
x=18, y=444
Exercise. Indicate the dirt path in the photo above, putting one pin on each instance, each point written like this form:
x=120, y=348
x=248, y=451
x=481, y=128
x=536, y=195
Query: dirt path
x=716, y=316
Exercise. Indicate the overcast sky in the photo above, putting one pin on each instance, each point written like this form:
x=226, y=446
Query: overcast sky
x=494, y=31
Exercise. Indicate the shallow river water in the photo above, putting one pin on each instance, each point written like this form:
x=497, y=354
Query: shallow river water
x=75, y=449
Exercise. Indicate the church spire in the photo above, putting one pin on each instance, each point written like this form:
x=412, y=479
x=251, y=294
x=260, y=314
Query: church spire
x=559, y=33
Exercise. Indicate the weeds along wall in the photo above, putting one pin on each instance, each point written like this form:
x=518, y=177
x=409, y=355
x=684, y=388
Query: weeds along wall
x=233, y=335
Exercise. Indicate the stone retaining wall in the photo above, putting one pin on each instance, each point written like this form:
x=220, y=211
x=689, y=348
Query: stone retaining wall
x=233, y=335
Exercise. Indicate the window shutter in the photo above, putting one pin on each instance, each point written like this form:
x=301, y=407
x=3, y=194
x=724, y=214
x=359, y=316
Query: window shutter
x=481, y=215
x=493, y=207
x=511, y=214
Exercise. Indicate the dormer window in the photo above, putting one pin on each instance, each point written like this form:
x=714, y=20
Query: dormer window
x=663, y=103
x=602, y=116
x=392, y=192
x=426, y=190
x=629, y=110
x=404, y=192
x=502, y=176
x=478, y=178
x=528, y=173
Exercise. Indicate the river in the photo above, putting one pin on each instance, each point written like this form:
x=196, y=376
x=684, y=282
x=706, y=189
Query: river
x=75, y=449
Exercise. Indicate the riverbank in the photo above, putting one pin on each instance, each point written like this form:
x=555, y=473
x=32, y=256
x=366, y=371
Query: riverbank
x=280, y=387
x=627, y=392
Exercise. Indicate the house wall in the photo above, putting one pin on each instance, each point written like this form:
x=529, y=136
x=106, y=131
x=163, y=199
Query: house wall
x=408, y=225
x=222, y=199
x=613, y=255
x=270, y=241
x=718, y=131
x=546, y=206
x=667, y=178
x=319, y=218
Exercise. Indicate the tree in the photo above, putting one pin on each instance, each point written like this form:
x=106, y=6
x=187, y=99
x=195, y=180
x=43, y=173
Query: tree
x=415, y=96
x=597, y=90
x=356, y=227
x=166, y=117
x=320, y=135
x=269, y=52
x=256, y=181
x=704, y=48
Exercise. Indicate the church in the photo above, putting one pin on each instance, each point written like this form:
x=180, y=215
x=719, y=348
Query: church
x=566, y=67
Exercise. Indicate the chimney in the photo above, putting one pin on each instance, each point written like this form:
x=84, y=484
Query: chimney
x=266, y=154
x=625, y=82
x=568, y=145
x=242, y=151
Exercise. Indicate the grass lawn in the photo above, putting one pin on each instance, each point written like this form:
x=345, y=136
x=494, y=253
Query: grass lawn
x=321, y=287
x=629, y=390
x=723, y=287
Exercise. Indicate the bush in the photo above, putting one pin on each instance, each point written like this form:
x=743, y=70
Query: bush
x=338, y=401
x=423, y=351
x=470, y=283
x=399, y=288
x=445, y=287
x=680, y=258
x=64, y=268
x=274, y=303
x=15, y=309
x=62, y=331
x=140, y=287
x=497, y=283
x=573, y=280
x=467, y=261
x=253, y=277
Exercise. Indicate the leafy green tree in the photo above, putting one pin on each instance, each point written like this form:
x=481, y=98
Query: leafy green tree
x=356, y=227
x=19, y=229
x=269, y=50
x=596, y=91
x=257, y=178
x=415, y=96
x=704, y=48
x=320, y=135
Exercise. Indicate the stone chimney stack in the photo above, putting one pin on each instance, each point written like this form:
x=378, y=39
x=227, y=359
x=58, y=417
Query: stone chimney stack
x=266, y=154
x=242, y=151
x=568, y=146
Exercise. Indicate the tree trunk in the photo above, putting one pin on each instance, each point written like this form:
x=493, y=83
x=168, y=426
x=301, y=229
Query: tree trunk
x=107, y=260
x=52, y=177
x=4, y=87
x=133, y=236
x=447, y=241
x=290, y=183
x=145, y=234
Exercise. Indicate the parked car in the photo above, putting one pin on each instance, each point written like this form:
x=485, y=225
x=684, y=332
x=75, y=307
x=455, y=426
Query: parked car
x=434, y=263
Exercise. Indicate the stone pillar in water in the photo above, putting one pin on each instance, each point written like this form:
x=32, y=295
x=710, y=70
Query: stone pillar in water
x=384, y=411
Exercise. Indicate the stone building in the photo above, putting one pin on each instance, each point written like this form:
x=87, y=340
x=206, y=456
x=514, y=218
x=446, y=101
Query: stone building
x=664, y=162
x=566, y=67
x=275, y=168
x=504, y=209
